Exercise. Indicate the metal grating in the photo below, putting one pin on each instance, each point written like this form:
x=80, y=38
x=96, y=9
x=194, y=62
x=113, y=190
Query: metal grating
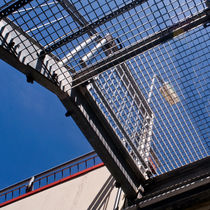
x=173, y=135
x=50, y=24
x=180, y=132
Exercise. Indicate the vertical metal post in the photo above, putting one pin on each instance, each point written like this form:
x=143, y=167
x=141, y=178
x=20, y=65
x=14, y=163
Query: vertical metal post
x=146, y=136
x=151, y=89
x=117, y=200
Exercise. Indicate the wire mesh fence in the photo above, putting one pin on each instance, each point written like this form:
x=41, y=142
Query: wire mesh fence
x=159, y=108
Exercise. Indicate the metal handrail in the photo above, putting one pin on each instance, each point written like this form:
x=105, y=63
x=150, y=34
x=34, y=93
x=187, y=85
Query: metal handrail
x=50, y=176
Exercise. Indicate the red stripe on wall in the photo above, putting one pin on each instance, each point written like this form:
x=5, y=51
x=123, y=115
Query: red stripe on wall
x=52, y=184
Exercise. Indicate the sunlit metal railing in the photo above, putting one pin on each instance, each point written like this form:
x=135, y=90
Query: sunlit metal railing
x=51, y=176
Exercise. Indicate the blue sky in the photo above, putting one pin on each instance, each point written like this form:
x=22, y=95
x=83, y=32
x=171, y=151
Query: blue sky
x=35, y=135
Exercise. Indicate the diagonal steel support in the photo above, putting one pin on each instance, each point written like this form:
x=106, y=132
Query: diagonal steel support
x=128, y=81
x=6, y=5
x=123, y=72
x=132, y=87
x=77, y=17
x=104, y=140
x=71, y=9
x=141, y=46
x=136, y=95
x=78, y=103
x=92, y=26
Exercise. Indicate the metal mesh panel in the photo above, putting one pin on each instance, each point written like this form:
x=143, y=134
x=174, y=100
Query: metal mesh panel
x=175, y=131
x=180, y=132
x=48, y=23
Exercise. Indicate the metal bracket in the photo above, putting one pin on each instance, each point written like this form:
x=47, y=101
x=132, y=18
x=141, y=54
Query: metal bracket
x=29, y=78
x=11, y=47
x=29, y=187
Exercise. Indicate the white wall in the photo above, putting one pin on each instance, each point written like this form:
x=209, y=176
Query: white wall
x=94, y=190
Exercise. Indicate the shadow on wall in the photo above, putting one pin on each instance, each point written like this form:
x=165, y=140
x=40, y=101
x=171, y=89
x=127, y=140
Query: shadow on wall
x=101, y=200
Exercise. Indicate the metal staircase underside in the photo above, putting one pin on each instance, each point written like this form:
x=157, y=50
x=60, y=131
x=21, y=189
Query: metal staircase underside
x=39, y=64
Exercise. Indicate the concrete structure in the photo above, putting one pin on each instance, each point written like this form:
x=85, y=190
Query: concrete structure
x=93, y=190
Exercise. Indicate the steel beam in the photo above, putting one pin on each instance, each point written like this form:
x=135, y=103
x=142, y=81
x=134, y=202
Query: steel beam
x=77, y=17
x=127, y=79
x=115, y=163
x=92, y=26
x=182, y=188
x=179, y=185
x=175, y=178
x=126, y=53
x=71, y=9
x=13, y=7
x=103, y=139
x=78, y=103
x=133, y=90
x=124, y=73
x=26, y=50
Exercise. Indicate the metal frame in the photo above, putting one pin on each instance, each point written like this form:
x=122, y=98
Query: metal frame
x=70, y=8
x=124, y=54
x=134, y=91
x=181, y=188
x=96, y=128
x=92, y=26
x=127, y=78
x=77, y=100
x=85, y=114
